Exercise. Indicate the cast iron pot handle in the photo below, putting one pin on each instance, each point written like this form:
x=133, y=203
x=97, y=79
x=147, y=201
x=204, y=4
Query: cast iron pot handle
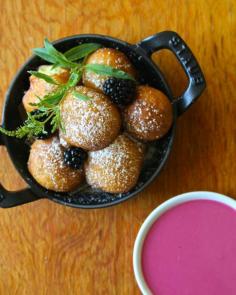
x=171, y=40
x=12, y=199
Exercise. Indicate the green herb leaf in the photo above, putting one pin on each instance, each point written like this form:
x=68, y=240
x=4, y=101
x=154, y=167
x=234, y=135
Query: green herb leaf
x=56, y=121
x=52, y=55
x=45, y=77
x=81, y=51
x=49, y=104
x=59, y=57
x=52, y=99
x=80, y=96
x=108, y=71
x=50, y=48
x=55, y=66
x=41, y=52
x=31, y=128
x=74, y=79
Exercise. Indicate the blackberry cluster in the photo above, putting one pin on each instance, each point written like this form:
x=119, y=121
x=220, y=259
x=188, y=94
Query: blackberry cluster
x=74, y=157
x=47, y=127
x=120, y=91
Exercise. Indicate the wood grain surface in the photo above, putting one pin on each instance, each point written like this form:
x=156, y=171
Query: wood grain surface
x=47, y=248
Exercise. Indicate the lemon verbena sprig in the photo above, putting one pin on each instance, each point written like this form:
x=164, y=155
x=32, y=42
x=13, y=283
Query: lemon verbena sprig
x=74, y=60
x=56, y=96
x=48, y=107
x=32, y=127
x=68, y=59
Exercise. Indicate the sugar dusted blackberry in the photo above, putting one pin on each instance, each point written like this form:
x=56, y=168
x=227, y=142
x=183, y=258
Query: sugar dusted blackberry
x=47, y=127
x=74, y=157
x=121, y=91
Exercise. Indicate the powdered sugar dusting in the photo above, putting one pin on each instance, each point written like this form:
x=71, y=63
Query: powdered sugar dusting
x=90, y=124
x=47, y=166
x=146, y=117
x=149, y=117
x=117, y=167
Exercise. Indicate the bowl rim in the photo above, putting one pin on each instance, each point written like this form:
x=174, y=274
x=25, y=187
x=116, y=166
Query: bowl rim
x=134, y=47
x=157, y=213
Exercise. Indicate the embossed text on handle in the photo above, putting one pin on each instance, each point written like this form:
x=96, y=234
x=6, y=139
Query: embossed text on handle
x=187, y=59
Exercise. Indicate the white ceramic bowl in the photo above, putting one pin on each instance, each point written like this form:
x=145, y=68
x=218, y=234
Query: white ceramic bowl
x=155, y=214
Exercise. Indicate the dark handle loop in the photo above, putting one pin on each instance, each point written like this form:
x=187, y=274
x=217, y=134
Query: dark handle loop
x=171, y=40
x=12, y=199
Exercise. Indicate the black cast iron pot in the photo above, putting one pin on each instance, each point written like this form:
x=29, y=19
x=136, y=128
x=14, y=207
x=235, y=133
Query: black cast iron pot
x=158, y=151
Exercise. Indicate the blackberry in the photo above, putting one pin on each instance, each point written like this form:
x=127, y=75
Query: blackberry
x=74, y=157
x=47, y=127
x=120, y=91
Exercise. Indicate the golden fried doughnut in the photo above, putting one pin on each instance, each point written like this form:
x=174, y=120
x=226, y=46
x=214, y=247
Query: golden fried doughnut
x=92, y=124
x=116, y=168
x=48, y=169
x=150, y=116
x=110, y=57
x=40, y=88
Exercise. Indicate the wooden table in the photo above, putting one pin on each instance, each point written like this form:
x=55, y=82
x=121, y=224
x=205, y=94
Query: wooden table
x=51, y=249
